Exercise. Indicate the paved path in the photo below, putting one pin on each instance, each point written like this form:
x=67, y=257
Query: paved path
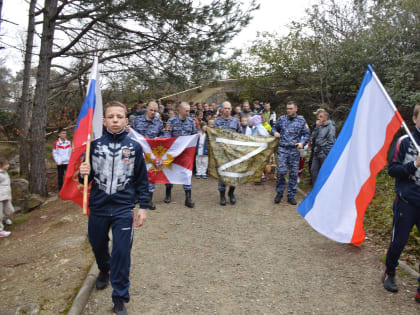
x=252, y=258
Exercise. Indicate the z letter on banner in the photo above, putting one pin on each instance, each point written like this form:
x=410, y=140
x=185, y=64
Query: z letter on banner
x=238, y=159
x=261, y=147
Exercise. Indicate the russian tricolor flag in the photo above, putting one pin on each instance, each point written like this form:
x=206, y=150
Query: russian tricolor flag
x=346, y=182
x=89, y=123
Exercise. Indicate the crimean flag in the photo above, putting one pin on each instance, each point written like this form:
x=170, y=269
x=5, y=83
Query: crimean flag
x=346, y=182
x=89, y=122
x=168, y=160
x=238, y=159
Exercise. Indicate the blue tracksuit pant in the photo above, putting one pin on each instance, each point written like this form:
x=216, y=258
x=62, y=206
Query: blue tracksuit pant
x=405, y=217
x=118, y=263
x=287, y=161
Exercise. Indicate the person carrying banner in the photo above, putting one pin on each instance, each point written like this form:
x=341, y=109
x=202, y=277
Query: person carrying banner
x=119, y=179
x=149, y=126
x=226, y=121
x=293, y=134
x=180, y=125
x=404, y=166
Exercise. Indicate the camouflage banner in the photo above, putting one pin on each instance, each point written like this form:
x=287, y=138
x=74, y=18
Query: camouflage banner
x=238, y=159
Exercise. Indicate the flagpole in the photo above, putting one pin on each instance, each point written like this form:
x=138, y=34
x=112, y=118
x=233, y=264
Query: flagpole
x=86, y=177
x=408, y=132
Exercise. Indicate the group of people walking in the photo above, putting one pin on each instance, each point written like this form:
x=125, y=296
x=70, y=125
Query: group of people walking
x=291, y=130
x=119, y=175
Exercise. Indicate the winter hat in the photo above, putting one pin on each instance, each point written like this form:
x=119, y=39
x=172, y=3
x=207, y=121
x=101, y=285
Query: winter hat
x=255, y=120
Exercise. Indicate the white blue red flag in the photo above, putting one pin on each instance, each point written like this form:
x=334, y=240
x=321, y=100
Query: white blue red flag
x=89, y=123
x=346, y=182
x=168, y=160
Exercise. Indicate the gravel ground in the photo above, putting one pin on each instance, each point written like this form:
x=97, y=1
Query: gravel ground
x=252, y=258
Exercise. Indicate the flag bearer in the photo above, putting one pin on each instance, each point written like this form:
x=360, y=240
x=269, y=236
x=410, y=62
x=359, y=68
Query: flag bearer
x=293, y=135
x=226, y=121
x=180, y=125
x=404, y=165
x=119, y=179
x=149, y=126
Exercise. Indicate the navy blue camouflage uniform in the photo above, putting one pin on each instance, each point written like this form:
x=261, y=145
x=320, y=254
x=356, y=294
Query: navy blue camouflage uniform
x=230, y=124
x=176, y=127
x=407, y=200
x=291, y=130
x=119, y=180
x=150, y=129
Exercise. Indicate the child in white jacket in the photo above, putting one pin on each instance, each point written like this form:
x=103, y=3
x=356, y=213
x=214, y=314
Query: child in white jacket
x=6, y=207
x=61, y=154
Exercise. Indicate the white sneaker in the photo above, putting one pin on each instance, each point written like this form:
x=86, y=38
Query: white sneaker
x=8, y=222
x=5, y=233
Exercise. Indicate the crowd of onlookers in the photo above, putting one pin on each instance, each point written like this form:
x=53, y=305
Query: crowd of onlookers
x=204, y=112
x=257, y=119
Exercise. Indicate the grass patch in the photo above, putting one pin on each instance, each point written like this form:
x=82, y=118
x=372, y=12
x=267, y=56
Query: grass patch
x=20, y=218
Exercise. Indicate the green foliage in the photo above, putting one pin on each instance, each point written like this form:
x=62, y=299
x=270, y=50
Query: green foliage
x=6, y=118
x=323, y=58
x=379, y=217
x=8, y=150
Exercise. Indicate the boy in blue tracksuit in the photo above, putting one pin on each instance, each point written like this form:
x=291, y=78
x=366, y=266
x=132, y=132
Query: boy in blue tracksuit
x=405, y=167
x=119, y=179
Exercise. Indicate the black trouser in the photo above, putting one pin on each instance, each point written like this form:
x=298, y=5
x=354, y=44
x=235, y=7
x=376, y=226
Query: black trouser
x=118, y=262
x=61, y=170
x=405, y=216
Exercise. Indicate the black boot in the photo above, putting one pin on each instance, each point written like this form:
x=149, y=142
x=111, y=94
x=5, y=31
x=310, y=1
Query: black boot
x=168, y=195
x=222, y=198
x=102, y=280
x=389, y=282
x=278, y=197
x=188, y=202
x=232, y=198
x=151, y=204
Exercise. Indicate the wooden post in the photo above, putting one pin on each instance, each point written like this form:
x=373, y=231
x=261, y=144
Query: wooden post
x=86, y=177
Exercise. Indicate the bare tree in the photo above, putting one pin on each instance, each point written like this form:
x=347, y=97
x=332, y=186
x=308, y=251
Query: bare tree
x=166, y=36
x=25, y=110
x=37, y=173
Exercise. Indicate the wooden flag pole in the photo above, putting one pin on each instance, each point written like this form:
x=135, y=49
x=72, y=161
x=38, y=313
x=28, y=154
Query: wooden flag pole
x=86, y=177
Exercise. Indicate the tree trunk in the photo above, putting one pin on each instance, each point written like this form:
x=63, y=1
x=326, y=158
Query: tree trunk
x=37, y=178
x=26, y=98
x=1, y=10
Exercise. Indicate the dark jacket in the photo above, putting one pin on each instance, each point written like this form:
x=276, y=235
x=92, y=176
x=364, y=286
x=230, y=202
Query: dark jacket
x=401, y=166
x=323, y=138
x=118, y=175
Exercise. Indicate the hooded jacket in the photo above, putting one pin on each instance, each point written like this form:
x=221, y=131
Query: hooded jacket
x=118, y=174
x=402, y=168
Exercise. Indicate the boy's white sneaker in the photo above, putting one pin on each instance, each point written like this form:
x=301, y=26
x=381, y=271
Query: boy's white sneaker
x=5, y=233
x=8, y=222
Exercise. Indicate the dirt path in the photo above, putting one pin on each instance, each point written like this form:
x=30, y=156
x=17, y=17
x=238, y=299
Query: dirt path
x=252, y=258
x=45, y=260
